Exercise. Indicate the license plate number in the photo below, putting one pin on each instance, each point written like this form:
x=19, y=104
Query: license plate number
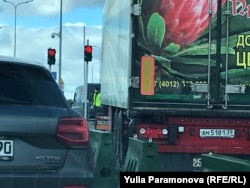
x=102, y=122
x=217, y=133
x=6, y=148
x=102, y=127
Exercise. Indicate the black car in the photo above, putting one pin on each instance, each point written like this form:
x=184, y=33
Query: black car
x=44, y=143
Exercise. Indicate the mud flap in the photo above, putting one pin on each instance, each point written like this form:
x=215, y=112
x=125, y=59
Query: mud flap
x=106, y=174
x=223, y=163
x=141, y=156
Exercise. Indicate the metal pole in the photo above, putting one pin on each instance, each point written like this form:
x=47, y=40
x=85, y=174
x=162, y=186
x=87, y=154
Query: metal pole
x=15, y=34
x=60, y=49
x=85, y=84
x=15, y=7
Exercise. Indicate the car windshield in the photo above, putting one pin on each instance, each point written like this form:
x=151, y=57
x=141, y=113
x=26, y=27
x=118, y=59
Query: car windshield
x=28, y=85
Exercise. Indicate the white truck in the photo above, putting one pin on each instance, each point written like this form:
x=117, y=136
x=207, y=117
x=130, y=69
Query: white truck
x=177, y=72
x=78, y=101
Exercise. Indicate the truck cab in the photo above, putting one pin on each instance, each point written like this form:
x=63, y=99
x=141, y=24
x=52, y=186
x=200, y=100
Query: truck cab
x=79, y=97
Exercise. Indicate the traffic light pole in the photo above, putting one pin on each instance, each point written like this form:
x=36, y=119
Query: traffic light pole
x=85, y=79
x=60, y=50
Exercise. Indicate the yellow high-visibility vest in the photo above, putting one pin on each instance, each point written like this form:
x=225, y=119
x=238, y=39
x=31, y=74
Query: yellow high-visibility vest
x=97, y=99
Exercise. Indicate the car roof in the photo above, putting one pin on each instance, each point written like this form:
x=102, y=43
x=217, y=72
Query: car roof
x=20, y=60
x=79, y=88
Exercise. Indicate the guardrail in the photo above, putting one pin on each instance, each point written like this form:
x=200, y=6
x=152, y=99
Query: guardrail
x=224, y=163
x=106, y=173
x=141, y=156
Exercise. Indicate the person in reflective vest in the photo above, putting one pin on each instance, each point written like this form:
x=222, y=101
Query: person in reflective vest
x=97, y=100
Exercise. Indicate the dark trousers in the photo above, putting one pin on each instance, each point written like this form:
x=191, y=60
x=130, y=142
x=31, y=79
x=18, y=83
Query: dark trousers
x=98, y=110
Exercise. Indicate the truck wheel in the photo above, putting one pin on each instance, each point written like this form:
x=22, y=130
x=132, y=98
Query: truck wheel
x=115, y=133
x=117, y=138
x=120, y=143
x=131, y=128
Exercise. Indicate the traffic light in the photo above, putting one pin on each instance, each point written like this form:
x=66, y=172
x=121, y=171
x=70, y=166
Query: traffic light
x=51, y=56
x=88, y=53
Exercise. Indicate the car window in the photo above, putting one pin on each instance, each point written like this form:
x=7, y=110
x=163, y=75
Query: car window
x=29, y=84
x=79, y=95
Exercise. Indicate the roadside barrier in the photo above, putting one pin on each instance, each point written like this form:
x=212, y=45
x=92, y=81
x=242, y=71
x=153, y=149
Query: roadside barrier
x=141, y=156
x=106, y=174
x=223, y=163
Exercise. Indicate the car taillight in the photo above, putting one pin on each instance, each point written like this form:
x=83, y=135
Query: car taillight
x=73, y=131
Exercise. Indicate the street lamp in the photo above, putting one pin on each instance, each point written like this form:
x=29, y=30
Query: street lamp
x=60, y=48
x=15, y=6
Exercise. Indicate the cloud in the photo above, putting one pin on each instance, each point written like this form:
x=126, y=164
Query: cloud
x=48, y=7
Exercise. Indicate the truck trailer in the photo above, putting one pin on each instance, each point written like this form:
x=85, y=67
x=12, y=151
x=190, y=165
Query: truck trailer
x=177, y=73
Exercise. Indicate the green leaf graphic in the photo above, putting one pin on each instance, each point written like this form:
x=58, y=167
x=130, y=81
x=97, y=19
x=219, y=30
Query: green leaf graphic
x=156, y=30
x=172, y=48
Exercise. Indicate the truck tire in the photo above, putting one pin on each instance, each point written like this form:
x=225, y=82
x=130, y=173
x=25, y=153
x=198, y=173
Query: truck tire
x=115, y=131
x=117, y=138
x=120, y=138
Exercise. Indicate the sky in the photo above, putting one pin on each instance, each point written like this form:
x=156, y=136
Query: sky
x=35, y=23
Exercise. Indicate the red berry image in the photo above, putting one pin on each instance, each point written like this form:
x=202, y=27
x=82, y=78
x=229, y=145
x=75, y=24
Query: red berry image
x=186, y=19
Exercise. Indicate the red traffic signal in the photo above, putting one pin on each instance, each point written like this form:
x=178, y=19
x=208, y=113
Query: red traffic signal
x=51, y=56
x=88, y=53
x=88, y=49
x=51, y=52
